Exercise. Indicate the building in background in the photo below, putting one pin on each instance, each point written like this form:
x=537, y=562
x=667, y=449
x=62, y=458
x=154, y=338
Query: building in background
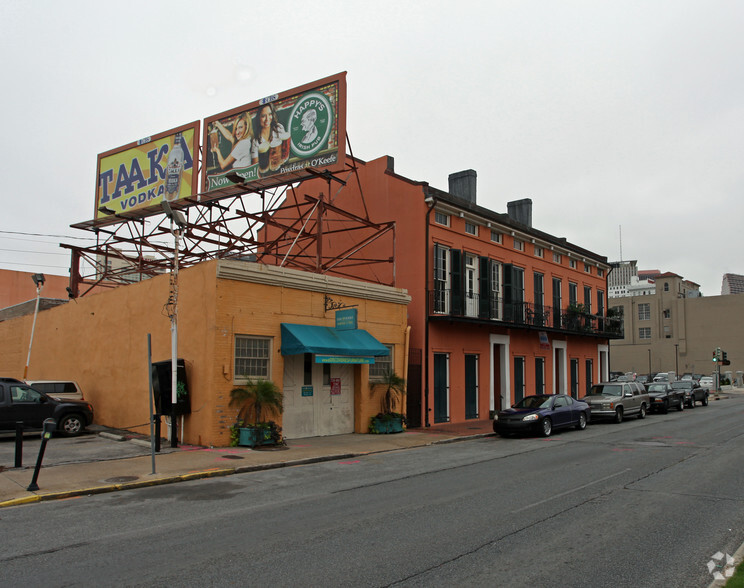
x=732, y=284
x=676, y=329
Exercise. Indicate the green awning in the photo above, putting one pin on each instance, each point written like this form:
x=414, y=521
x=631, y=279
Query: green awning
x=298, y=339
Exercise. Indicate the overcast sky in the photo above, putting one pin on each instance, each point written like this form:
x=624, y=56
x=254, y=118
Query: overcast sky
x=615, y=118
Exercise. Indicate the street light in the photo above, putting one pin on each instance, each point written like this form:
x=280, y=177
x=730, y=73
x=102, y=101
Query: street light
x=177, y=219
x=39, y=282
x=676, y=359
x=649, y=363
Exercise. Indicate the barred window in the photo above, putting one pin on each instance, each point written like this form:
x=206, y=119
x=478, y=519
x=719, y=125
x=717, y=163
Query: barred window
x=252, y=358
x=382, y=365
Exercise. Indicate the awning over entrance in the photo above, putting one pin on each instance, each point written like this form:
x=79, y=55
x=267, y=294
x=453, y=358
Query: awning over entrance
x=298, y=339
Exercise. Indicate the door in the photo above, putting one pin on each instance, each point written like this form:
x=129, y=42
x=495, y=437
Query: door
x=471, y=386
x=561, y=412
x=441, y=387
x=575, y=378
x=318, y=398
x=518, y=379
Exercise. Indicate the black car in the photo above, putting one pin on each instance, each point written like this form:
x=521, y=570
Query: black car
x=662, y=397
x=693, y=392
x=542, y=413
x=19, y=402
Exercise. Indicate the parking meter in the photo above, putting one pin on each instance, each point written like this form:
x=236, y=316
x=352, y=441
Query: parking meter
x=48, y=428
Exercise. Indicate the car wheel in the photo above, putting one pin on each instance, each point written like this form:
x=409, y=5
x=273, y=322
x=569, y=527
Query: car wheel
x=681, y=405
x=71, y=425
x=581, y=425
x=547, y=427
x=665, y=407
x=619, y=414
x=495, y=428
x=704, y=402
x=642, y=412
x=691, y=404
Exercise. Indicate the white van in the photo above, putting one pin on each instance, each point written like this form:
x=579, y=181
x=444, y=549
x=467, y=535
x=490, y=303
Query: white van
x=59, y=389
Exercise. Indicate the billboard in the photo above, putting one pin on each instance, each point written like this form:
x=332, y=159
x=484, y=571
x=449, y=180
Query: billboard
x=141, y=175
x=276, y=139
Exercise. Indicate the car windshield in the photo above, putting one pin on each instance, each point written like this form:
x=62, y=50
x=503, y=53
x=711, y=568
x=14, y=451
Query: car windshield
x=657, y=388
x=682, y=385
x=606, y=389
x=534, y=402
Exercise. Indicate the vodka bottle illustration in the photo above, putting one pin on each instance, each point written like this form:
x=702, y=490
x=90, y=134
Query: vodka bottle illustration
x=174, y=171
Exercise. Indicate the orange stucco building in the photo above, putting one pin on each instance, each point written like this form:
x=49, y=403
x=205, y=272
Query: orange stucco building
x=231, y=321
x=498, y=308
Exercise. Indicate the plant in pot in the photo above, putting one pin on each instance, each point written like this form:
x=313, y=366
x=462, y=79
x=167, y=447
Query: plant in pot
x=388, y=420
x=259, y=398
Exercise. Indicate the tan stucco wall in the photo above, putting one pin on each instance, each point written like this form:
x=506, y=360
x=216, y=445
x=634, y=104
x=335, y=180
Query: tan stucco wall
x=101, y=340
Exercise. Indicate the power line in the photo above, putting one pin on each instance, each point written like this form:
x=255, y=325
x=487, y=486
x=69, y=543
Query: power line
x=47, y=235
x=41, y=252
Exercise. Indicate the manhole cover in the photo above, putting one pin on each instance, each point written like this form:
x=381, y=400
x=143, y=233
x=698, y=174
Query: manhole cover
x=232, y=456
x=121, y=479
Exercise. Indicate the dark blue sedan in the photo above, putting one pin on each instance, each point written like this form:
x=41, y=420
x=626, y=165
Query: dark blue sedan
x=542, y=413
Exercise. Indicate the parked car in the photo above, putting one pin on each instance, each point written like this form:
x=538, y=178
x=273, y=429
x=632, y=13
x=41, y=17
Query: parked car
x=693, y=392
x=616, y=400
x=661, y=377
x=662, y=397
x=19, y=402
x=707, y=382
x=59, y=389
x=542, y=413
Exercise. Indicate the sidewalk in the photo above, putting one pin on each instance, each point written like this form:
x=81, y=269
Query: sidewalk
x=189, y=462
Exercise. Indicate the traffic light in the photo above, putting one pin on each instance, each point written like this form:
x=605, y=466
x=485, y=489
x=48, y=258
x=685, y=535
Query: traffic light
x=725, y=356
x=715, y=354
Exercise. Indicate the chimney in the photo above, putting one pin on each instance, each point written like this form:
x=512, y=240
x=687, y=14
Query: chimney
x=520, y=211
x=462, y=184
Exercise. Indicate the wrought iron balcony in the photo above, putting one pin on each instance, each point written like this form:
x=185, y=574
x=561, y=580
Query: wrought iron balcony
x=446, y=303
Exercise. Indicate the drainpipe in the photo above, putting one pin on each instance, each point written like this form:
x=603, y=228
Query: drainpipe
x=431, y=203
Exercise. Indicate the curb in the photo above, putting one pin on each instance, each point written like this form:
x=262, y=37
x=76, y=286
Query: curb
x=213, y=473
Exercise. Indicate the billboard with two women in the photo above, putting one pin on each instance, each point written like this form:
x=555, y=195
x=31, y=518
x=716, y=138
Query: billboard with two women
x=277, y=138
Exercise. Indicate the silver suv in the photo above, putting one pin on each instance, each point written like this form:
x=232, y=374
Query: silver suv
x=616, y=400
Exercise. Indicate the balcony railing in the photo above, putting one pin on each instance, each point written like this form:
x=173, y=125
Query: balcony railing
x=526, y=314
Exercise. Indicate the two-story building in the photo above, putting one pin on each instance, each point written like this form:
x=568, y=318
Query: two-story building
x=499, y=309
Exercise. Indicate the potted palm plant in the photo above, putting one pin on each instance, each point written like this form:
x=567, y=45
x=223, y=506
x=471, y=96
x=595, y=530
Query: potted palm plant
x=389, y=420
x=261, y=398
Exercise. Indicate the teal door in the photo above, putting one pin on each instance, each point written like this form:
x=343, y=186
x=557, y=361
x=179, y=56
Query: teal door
x=441, y=388
x=518, y=379
x=471, y=386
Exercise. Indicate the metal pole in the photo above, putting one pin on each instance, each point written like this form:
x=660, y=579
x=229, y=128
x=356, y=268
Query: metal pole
x=174, y=341
x=39, y=286
x=152, y=403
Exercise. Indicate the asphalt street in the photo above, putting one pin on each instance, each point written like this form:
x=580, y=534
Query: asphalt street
x=643, y=503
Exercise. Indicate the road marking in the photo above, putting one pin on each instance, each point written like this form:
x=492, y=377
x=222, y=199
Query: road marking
x=554, y=496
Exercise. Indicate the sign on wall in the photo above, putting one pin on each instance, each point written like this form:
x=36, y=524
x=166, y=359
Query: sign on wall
x=142, y=174
x=277, y=138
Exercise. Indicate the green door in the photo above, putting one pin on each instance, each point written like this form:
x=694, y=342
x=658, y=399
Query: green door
x=518, y=379
x=441, y=387
x=471, y=386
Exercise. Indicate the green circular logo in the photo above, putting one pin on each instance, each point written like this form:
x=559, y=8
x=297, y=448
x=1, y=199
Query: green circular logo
x=310, y=124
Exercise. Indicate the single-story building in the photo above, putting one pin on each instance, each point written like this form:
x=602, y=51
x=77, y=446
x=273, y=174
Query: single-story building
x=320, y=338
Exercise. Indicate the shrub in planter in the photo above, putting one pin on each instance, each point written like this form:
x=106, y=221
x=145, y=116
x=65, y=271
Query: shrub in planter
x=260, y=397
x=391, y=422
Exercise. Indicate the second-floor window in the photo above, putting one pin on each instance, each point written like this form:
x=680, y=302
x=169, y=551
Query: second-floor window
x=518, y=245
x=441, y=278
x=644, y=333
x=644, y=312
x=471, y=228
x=573, y=294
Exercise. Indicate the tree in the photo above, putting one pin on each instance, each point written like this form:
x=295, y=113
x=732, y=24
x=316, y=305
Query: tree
x=262, y=396
x=395, y=389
